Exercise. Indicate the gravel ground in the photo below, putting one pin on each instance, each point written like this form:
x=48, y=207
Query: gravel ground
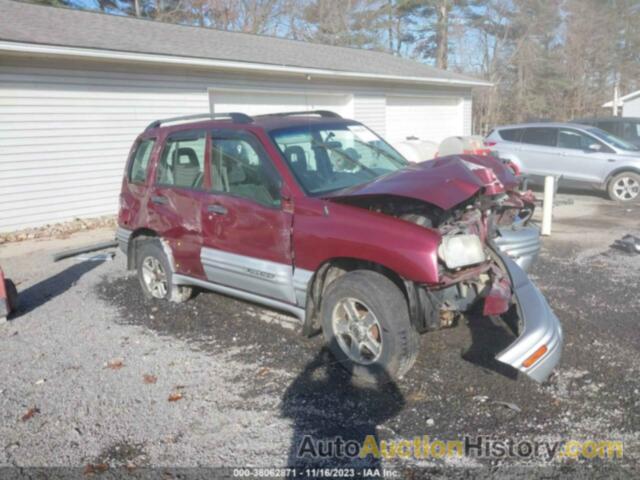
x=88, y=368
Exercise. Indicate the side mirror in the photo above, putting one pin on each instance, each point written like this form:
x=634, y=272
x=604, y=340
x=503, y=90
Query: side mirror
x=594, y=147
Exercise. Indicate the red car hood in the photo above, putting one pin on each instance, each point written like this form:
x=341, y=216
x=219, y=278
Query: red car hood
x=444, y=182
x=502, y=172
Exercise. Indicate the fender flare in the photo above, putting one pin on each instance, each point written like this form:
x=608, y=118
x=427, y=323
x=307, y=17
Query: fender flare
x=619, y=170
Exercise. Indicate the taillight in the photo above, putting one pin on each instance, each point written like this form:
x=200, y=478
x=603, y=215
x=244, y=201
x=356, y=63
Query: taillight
x=490, y=143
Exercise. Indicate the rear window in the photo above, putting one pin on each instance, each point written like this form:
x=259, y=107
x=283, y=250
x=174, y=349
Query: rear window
x=540, y=136
x=511, y=134
x=631, y=131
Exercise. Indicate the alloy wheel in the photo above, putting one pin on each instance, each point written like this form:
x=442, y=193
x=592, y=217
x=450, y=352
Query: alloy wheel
x=154, y=276
x=626, y=188
x=357, y=331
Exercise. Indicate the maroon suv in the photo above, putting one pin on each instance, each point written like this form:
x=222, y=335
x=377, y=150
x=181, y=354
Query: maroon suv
x=316, y=215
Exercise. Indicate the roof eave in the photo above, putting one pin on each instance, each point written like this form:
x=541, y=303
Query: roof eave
x=150, y=58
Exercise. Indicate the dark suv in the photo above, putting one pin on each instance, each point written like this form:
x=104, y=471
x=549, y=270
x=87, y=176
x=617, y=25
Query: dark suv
x=627, y=128
x=316, y=215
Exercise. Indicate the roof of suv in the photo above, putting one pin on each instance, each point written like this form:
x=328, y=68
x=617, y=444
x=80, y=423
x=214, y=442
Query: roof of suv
x=606, y=119
x=543, y=124
x=267, y=122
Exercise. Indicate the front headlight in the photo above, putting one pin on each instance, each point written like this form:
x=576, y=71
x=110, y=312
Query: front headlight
x=461, y=250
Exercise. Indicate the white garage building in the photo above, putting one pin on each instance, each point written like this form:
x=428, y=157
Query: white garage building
x=77, y=87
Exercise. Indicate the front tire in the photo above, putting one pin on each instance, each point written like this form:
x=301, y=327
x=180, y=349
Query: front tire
x=624, y=187
x=154, y=274
x=366, y=323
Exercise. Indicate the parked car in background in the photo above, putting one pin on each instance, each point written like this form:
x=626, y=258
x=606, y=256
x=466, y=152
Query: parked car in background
x=316, y=215
x=579, y=155
x=626, y=128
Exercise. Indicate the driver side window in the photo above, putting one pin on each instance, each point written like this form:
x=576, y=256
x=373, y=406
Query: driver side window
x=575, y=140
x=241, y=168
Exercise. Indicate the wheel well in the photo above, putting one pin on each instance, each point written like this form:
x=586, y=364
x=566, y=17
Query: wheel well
x=618, y=172
x=134, y=240
x=334, y=269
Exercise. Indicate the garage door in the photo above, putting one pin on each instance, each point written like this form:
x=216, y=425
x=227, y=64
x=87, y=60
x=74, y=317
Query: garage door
x=255, y=103
x=428, y=118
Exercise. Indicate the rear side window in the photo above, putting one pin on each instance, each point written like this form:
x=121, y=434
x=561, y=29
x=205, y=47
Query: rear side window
x=511, y=134
x=631, y=131
x=182, y=162
x=140, y=163
x=544, y=136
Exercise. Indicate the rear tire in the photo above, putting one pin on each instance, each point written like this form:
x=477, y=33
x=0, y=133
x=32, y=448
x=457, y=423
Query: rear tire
x=365, y=321
x=154, y=274
x=624, y=187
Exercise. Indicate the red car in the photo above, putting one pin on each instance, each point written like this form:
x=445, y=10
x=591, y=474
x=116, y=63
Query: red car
x=316, y=215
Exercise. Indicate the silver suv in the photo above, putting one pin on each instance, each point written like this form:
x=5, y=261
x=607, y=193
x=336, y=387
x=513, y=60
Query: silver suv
x=578, y=155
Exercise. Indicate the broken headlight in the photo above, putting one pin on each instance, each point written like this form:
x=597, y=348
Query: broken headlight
x=461, y=250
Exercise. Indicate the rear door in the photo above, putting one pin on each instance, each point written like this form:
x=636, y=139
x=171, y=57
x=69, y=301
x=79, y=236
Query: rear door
x=177, y=196
x=136, y=183
x=580, y=161
x=246, y=233
x=539, y=155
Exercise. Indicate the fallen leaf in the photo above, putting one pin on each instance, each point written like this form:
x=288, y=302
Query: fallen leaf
x=92, y=468
x=115, y=364
x=175, y=396
x=262, y=372
x=30, y=413
x=150, y=378
x=509, y=405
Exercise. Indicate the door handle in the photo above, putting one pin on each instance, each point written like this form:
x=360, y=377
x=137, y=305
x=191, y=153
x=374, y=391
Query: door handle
x=217, y=209
x=611, y=160
x=159, y=199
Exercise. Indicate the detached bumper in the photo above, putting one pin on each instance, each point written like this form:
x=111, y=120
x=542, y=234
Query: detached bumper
x=522, y=244
x=540, y=330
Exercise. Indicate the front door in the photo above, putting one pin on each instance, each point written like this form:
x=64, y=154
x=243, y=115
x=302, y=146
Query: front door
x=246, y=233
x=539, y=155
x=581, y=160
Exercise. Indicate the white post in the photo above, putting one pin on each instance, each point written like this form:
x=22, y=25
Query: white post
x=616, y=99
x=547, y=204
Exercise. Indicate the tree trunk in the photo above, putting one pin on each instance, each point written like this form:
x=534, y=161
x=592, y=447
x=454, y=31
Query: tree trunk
x=442, y=35
x=136, y=4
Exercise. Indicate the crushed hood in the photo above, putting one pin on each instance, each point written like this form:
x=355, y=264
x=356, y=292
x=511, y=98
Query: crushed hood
x=445, y=183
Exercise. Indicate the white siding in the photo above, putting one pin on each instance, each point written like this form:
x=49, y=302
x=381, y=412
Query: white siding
x=467, y=116
x=428, y=118
x=370, y=110
x=261, y=102
x=65, y=135
x=66, y=127
x=631, y=108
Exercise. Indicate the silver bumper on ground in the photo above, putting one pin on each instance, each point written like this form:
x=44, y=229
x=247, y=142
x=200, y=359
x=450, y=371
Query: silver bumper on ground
x=540, y=330
x=521, y=243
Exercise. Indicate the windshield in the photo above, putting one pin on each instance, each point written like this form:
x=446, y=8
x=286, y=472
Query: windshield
x=612, y=139
x=326, y=158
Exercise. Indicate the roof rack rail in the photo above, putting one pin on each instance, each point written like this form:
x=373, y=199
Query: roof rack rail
x=322, y=113
x=236, y=117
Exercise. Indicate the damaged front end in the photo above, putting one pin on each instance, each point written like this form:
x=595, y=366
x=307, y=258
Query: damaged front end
x=482, y=255
x=477, y=275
